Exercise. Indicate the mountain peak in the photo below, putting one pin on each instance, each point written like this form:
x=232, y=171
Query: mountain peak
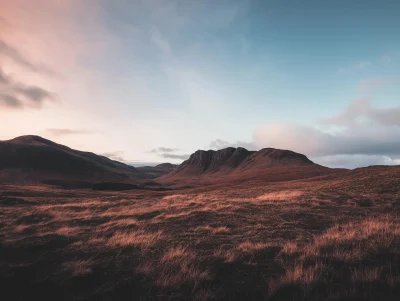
x=31, y=140
x=231, y=159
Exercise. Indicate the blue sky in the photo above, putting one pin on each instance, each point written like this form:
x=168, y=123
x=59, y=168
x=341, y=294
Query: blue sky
x=156, y=80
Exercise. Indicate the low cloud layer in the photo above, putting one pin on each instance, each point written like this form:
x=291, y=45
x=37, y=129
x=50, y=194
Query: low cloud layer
x=169, y=153
x=219, y=144
x=174, y=156
x=163, y=150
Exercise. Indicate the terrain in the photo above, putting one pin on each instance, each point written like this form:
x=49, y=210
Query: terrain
x=293, y=230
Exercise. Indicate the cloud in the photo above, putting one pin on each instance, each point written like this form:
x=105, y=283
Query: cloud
x=359, y=66
x=67, y=132
x=168, y=153
x=174, y=156
x=219, y=144
x=10, y=101
x=4, y=78
x=14, y=54
x=16, y=95
x=386, y=59
x=163, y=150
x=161, y=42
x=361, y=109
x=362, y=65
x=36, y=94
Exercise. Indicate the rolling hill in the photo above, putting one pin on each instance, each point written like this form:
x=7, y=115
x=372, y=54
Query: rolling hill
x=33, y=159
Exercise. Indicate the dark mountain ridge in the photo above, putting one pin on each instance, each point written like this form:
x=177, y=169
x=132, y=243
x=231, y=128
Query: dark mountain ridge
x=234, y=165
x=33, y=159
x=231, y=159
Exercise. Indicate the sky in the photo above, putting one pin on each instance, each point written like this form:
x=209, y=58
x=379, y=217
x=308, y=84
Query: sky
x=155, y=80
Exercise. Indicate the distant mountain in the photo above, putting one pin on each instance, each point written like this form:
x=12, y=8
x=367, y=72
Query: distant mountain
x=238, y=163
x=28, y=159
x=152, y=172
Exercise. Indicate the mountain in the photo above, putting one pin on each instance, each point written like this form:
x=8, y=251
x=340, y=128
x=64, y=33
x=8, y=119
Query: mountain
x=152, y=172
x=235, y=164
x=33, y=159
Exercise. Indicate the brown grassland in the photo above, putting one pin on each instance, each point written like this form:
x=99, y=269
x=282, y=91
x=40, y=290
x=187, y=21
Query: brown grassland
x=298, y=240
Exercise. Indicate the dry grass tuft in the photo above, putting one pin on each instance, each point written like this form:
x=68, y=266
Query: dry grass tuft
x=352, y=246
x=226, y=255
x=69, y=231
x=354, y=241
x=177, y=266
x=366, y=274
x=213, y=230
x=135, y=238
x=251, y=247
x=79, y=267
x=306, y=276
x=177, y=254
x=281, y=196
x=289, y=248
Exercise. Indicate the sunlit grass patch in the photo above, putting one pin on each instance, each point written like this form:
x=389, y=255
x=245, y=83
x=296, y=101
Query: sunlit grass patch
x=281, y=196
x=135, y=238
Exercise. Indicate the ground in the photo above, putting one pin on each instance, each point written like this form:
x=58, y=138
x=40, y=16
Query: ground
x=297, y=240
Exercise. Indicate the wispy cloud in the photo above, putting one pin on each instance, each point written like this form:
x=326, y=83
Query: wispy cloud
x=17, y=95
x=358, y=66
x=385, y=59
x=161, y=42
x=219, y=144
x=163, y=150
x=67, y=132
x=361, y=108
x=14, y=54
x=4, y=78
x=174, y=156
x=169, y=153
x=10, y=101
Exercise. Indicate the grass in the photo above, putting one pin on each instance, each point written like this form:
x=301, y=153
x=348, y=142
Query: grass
x=295, y=240
x=135, y=238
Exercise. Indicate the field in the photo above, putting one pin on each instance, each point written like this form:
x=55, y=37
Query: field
x=256, y=241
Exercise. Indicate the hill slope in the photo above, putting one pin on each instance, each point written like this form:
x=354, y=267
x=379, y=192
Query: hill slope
x=34, y=159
